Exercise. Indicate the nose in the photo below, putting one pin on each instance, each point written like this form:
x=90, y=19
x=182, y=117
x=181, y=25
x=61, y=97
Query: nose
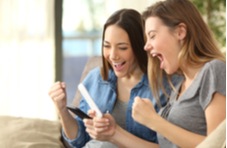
x=147, y=46
x=113, y=54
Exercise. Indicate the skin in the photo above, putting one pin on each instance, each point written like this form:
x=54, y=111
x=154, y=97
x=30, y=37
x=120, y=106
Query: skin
x=143, y=111
x=118, y=51
x=57, y=93
x=167, y=53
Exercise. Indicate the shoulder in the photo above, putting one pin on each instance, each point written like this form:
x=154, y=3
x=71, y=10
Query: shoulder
x=144, y=80
x=93, y=75
x=215, y=65
x=211, y=79
x=215, y=69
x=94, y=71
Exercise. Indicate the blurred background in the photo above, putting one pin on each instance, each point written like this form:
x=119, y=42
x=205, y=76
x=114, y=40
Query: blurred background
x=46, y=41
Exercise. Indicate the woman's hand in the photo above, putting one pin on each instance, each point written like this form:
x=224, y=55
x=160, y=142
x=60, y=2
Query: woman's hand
x=100, y=128
x=143, y=111
x=58, y=95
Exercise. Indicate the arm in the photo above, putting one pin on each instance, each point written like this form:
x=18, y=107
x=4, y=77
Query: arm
x=58, y=95
x=144, y=113
x=215, y=112
x=106, y=129
x=125, y=139
x=69, y=124
x=175, y=134
x=217, y=138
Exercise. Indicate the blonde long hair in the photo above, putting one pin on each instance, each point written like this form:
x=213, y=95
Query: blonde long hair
x=199, y=45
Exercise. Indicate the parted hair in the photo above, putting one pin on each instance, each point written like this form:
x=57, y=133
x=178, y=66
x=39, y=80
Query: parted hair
x=131, y=21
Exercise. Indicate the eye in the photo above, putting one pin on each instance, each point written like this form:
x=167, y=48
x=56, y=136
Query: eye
x=106, y=46
x=123, y=48
x=152, y=36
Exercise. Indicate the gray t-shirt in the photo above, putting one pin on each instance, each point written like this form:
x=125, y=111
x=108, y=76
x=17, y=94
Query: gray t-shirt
x=188, y=111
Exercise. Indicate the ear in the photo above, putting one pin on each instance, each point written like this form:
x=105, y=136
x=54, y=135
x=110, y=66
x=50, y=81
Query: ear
x=181, y=31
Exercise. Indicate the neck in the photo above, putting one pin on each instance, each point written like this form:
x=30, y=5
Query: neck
x=131, y=79
x=190, y=75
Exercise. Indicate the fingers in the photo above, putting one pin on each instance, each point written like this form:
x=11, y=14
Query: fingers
x=101, y=128
x=58, y=95
x=89, y=127
x=143, y=111
x=57, y=91
x=63, y=85
x=140, y=103
x=96, y=126
x=137, y=104
x=100, y=124
x=137, y=99
x=138, y=109
x=91, y=113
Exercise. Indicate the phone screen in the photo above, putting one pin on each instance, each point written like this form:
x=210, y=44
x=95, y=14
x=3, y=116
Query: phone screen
x=79, y=112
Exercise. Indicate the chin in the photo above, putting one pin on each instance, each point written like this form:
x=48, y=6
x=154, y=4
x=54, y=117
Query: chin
x=169, y=72
x=119, y=74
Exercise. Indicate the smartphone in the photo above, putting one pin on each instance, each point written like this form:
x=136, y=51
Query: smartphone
x=89, y=100
x=79, y=112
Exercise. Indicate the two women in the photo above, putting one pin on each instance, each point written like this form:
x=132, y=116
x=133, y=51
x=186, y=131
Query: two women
x=179, y=42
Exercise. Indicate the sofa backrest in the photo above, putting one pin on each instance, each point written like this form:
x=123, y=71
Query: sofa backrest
x=92, y=62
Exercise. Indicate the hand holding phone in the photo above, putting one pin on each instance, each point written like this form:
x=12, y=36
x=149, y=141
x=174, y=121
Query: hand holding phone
x=89, y=100
x=79, y=112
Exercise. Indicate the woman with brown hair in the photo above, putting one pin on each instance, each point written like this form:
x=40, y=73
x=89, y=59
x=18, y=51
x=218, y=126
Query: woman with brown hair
x=114, y=86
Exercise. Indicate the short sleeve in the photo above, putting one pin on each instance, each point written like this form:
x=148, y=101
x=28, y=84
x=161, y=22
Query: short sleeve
x=213, y=80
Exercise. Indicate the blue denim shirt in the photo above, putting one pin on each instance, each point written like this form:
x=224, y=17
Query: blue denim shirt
x=104, y=94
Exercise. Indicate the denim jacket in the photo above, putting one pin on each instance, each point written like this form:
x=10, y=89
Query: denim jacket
x=104, y=94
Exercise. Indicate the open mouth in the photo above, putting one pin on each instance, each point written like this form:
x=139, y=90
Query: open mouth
x=119, y=66
x=160, y=57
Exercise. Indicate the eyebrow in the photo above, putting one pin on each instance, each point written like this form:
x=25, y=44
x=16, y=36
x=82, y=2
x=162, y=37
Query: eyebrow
x=150, y=31
x=121, y=43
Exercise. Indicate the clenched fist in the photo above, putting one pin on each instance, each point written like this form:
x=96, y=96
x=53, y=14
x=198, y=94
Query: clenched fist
x=58, y=95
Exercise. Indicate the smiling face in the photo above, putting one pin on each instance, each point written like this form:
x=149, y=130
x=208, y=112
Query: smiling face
x=162, y=43
x=118, y=52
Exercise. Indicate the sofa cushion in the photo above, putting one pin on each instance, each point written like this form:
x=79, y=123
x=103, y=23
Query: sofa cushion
x=17, y=132
x=216, y=139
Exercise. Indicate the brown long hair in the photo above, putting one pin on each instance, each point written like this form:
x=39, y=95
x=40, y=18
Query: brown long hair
x=131, y=21
x=199, y=45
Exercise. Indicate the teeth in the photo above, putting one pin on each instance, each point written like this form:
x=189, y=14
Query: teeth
x=117, y=64
x=154, y=54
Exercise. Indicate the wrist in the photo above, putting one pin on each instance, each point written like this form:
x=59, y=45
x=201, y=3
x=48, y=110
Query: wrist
x=115, y=135
x=62, y=111
x=154, y=122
